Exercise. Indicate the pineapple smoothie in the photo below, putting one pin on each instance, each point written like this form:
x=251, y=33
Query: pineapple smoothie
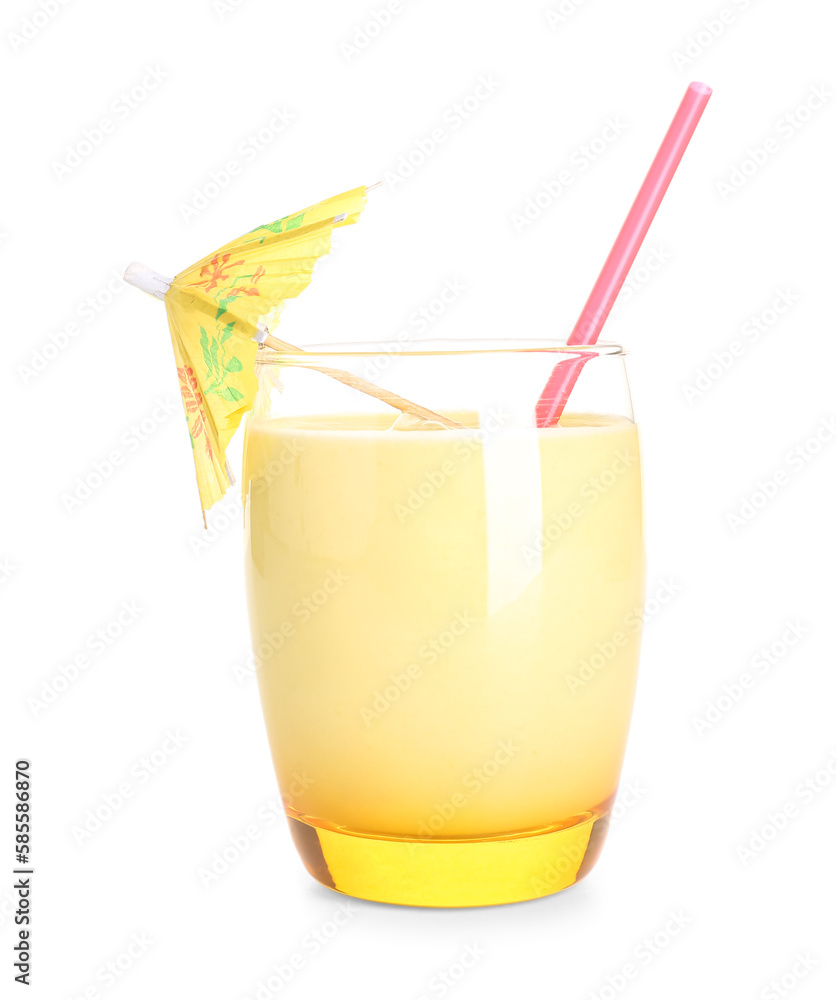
x=437, y=658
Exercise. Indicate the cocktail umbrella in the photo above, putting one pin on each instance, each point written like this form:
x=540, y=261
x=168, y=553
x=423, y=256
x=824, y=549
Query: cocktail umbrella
x=221, y=308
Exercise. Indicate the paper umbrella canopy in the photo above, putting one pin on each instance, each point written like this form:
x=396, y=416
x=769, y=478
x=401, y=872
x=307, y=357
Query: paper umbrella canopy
x=215, y=309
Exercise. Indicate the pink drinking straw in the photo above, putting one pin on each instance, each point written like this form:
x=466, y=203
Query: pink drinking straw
x=614, y=272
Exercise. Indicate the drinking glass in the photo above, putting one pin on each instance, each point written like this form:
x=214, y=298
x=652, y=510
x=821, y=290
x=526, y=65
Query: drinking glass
x=446, y=621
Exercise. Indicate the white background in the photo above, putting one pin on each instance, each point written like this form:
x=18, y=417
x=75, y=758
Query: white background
x=698, y=797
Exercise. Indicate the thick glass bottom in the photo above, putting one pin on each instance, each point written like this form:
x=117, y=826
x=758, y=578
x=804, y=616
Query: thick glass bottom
x=451, y=872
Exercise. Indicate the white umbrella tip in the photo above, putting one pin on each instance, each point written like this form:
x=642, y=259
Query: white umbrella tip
x=147, y=280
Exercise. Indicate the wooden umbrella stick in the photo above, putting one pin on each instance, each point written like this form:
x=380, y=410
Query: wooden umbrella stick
x=384, y=395
x=155, y=284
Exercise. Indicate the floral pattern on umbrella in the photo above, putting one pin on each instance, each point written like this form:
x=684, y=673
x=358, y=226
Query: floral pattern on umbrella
x=214, y=310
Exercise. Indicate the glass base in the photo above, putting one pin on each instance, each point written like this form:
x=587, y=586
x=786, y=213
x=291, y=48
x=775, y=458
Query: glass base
x=451, y=872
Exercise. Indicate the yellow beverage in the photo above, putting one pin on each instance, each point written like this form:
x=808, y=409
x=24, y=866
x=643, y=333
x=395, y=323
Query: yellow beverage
x=447, y=626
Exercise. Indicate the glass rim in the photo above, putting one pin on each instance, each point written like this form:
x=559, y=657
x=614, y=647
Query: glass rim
x=440, y=348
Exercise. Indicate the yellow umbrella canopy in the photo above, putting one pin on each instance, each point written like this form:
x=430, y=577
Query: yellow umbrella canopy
x=214, y=309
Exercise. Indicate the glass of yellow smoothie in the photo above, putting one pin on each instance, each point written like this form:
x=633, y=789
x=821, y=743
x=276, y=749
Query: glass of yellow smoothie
x=446, y=620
